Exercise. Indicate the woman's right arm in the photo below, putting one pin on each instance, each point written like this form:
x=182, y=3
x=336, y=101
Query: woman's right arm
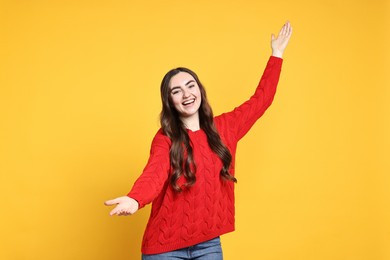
x=150, y=183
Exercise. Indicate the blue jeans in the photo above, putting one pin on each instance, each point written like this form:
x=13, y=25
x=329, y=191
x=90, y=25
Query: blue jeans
x=208, y=250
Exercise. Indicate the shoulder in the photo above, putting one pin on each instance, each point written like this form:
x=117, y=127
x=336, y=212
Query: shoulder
x=223, y=125
x=222, y=121
x=161, y=139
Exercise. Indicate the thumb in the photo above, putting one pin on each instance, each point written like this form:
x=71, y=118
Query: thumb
x=111, y=202
x=272, y=37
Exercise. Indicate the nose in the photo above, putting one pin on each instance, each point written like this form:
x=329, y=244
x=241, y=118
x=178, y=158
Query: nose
x=186, y=93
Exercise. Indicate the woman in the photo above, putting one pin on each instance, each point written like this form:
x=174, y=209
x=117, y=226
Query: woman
x=189, y=177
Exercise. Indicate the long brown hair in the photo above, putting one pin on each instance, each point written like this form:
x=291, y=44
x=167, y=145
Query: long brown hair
x=181, y=154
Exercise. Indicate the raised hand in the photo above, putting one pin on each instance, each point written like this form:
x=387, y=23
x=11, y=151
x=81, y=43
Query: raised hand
x=124, y=206
x=279, y=43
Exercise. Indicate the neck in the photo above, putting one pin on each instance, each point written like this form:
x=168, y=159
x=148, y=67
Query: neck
x=191, y=123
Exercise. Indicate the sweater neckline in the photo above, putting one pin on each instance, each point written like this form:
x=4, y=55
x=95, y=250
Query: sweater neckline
x=194, y=131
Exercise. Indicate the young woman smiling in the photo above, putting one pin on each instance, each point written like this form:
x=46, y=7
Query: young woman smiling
x=189, y=177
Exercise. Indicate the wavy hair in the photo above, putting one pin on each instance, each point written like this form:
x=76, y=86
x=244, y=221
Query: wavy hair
x=181, y=152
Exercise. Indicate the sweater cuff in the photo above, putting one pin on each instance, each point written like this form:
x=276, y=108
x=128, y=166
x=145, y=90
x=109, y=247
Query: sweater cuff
x=277, y=59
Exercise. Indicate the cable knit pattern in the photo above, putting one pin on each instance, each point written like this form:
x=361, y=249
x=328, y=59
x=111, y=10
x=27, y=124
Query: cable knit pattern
x=206, y=210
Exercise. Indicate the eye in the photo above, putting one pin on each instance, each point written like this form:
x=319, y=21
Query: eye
x=191, y=86
x=175, y=92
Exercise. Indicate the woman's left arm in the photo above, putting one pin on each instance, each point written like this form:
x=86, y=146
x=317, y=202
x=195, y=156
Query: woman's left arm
x=242, y=118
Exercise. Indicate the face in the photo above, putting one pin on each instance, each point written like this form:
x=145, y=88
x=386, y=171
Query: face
x=185, y=95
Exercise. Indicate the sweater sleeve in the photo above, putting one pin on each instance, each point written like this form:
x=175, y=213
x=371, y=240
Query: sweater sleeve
x=242, y=118
x=150, y=183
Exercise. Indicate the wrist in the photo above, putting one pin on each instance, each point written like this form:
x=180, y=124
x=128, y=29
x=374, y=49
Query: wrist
x=278, y=54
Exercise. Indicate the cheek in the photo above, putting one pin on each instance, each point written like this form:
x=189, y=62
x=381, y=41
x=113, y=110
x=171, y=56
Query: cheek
x=175, y=101
x=199, y=96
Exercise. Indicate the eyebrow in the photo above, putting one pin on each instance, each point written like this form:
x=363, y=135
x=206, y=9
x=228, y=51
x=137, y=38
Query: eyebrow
x=190, y=81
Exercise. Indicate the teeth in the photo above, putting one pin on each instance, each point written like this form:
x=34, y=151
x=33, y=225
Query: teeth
x=188, y=102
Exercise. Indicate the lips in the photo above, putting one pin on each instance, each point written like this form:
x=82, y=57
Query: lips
x=188, y=102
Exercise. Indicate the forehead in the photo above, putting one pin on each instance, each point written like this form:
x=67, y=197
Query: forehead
x=180, y=79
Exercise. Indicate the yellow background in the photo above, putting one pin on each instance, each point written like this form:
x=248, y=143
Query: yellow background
x=79, y=102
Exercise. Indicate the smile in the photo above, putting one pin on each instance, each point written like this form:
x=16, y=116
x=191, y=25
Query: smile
x=188, y=102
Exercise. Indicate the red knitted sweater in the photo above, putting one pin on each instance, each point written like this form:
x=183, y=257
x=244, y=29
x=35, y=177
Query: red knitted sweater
x=206, y=210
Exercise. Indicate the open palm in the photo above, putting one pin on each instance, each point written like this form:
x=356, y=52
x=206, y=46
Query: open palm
x=279, y=44
x=124, y=206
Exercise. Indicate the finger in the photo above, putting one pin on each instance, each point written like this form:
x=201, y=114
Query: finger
x=123, y=213
x=272, y=37
x=290, y=30
x=281, y=31
x=284, y=29
x=287, y=27
x=115, y=211
x=111, y=202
